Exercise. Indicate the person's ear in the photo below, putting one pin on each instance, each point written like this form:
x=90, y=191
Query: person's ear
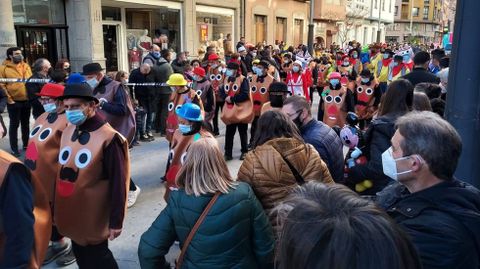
x=417, y=163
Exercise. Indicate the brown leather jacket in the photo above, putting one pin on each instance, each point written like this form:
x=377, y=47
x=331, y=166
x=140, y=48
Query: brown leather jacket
x=269, y=175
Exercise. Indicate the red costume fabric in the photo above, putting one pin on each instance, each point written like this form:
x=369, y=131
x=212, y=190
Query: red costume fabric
x=298, y=82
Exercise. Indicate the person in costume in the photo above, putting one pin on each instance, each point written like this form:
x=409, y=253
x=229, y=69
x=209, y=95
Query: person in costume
x=191, y=127
x=238, y=110
x=320, y=73
x=383, y=68
x=375, y=57
x=92, y=182
x=299, y=81
x=259, y=87
x=355, y=61
x=347, y=72
x=25, y=214
x=407, y=58
x=398, y=70
x=203, y=87
x=181, y=95
x=367, y=97
x=335, y=103
x=278, y=93
x=41, y=158
x=215, y=76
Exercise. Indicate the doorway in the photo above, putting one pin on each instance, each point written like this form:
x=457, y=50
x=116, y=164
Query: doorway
x=110, y=46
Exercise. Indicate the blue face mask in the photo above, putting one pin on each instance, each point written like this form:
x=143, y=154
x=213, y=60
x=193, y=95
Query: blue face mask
x=296, y=69
x=229, y=73
x=334, y=82
x=92, y=82
x=395, y=64
x=386, y=55
x=50, y=108
x=259, y=72
x=254, y=69
x=406, y=58
x=76, y=117
x=365, y=80
x=184, y=129
x=355, y=56
x=156, y=54
x=195, y=78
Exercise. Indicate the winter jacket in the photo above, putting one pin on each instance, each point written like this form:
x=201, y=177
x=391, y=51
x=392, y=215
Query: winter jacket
x=34, y=88
x=235, y=233
x=419, y=75
x=15, y=91
x=377, y=140
x=265, y=169
x=328, y=144
x=162, y=71
x=443, y=222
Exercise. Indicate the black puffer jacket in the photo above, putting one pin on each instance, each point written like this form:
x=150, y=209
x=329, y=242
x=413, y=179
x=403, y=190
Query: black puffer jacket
x=377, y=141
x=443, y=222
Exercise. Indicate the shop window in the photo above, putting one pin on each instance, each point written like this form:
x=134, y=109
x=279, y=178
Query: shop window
x=38, y=12
x=260, y=28
x=281, y=29
x=415, y=11
x=111, y=14
x=298, y=32
x=212, y=29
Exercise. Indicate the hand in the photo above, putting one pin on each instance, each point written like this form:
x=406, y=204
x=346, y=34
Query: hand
x=114, y=233
x=102, y=101
x=11, y=102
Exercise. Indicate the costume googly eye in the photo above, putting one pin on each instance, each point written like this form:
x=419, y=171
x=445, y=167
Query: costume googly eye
x=183, y=157
x=83, y=158
x=170, y=106
x=178, y=107
x=359, y=89
x=263, y=90
x=64, y=155
x=35, y=130
x=235, y=87
x=338, y=99
x=44, y=134
x=227, y=88
x=212, y=77
x=369, y=91
x=219, y=77
x=254, y=88
x=199, y=92
x=250, y=79
x=328, y=99
x=170, y=156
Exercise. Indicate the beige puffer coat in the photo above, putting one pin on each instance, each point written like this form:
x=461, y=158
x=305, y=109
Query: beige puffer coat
x=270, y=176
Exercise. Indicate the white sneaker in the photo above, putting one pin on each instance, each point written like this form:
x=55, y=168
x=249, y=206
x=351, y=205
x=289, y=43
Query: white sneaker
x=132, y=196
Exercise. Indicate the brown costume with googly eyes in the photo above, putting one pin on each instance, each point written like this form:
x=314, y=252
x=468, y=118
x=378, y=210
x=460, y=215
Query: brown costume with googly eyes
x=82, y=200
x=216, y=77
x=259, y=89
x=176, y=101
x=365, y=99
x=334, y=110
x=237, y=112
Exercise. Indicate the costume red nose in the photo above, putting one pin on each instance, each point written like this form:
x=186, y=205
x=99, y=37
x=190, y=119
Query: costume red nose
x=31, y=153
x=332, y=111
x=363, y=97
x=65, y=188
x=344, y=80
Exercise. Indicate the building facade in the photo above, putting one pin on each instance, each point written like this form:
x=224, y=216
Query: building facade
x=416, y=21
x=328, y=18
x=115, y=33
x=282, y=20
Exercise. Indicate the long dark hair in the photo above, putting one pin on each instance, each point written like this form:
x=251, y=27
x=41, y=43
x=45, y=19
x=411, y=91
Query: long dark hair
x=398, y=99
x=274, y=124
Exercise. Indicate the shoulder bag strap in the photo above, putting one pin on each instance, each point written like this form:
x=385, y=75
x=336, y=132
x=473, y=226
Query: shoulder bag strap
x=295, y=173
x=195, y=228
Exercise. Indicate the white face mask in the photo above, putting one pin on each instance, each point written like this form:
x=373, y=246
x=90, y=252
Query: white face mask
x=390, y=164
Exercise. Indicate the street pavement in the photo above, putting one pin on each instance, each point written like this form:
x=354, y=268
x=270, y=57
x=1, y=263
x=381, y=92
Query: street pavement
x=148, y=163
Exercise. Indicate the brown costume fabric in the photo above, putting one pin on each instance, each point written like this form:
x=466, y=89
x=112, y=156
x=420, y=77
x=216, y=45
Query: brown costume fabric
x=216, y=79
x=82, y=202
x=176, y=101
x=41, y=212
x=322, y=75
x=125, y=125
x=237, y=112
x=202, y=90
x=260, y=93
x=178, y=154
x=365, y=93
x=271, y=178
x=42, y=152
x=334, y=106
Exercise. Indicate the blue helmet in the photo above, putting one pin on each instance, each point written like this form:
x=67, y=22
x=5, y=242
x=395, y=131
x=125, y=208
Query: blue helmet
x=190, y=111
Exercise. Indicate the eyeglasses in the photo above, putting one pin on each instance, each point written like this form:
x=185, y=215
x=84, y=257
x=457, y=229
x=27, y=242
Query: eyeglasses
x=46, y=100
x=296, y=112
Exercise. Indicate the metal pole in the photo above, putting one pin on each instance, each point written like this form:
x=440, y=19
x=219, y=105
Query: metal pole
x=310, y=28
x=379, y=19
x=463, y=96
x=411, y=18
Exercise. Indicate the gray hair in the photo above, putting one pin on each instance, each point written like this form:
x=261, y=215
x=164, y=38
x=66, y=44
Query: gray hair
x=436, y=140
x=38, y=64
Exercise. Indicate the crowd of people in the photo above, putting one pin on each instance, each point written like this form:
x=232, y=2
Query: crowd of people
x=368, y=182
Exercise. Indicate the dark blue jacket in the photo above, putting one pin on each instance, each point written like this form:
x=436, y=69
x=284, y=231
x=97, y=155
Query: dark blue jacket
x=443, y=222
x=236, y=232
x=328, y=144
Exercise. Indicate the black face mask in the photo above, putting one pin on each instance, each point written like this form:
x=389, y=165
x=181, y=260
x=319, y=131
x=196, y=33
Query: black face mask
x=298, y=122
x=276, y=100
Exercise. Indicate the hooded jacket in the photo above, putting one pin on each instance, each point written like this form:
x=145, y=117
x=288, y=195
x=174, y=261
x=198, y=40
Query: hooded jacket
x=15, y=91
x=443, y=222
x=271, y=178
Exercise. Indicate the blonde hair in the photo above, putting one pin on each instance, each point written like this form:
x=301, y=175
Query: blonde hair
x=204, y=170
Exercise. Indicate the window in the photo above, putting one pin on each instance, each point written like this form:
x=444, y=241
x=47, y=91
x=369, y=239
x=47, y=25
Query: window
x=376, y=3
x=396, y=10
x=405, y=13
x=415, y=11
x=298, y=32
x=426, y=2
x=281, y=29
x=111, y=14
x=425, y=13
x=38, y=12
x=260, y=28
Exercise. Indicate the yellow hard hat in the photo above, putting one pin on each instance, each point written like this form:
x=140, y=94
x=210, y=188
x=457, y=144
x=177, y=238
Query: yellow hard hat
x=256, y=61
x=176, y=80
